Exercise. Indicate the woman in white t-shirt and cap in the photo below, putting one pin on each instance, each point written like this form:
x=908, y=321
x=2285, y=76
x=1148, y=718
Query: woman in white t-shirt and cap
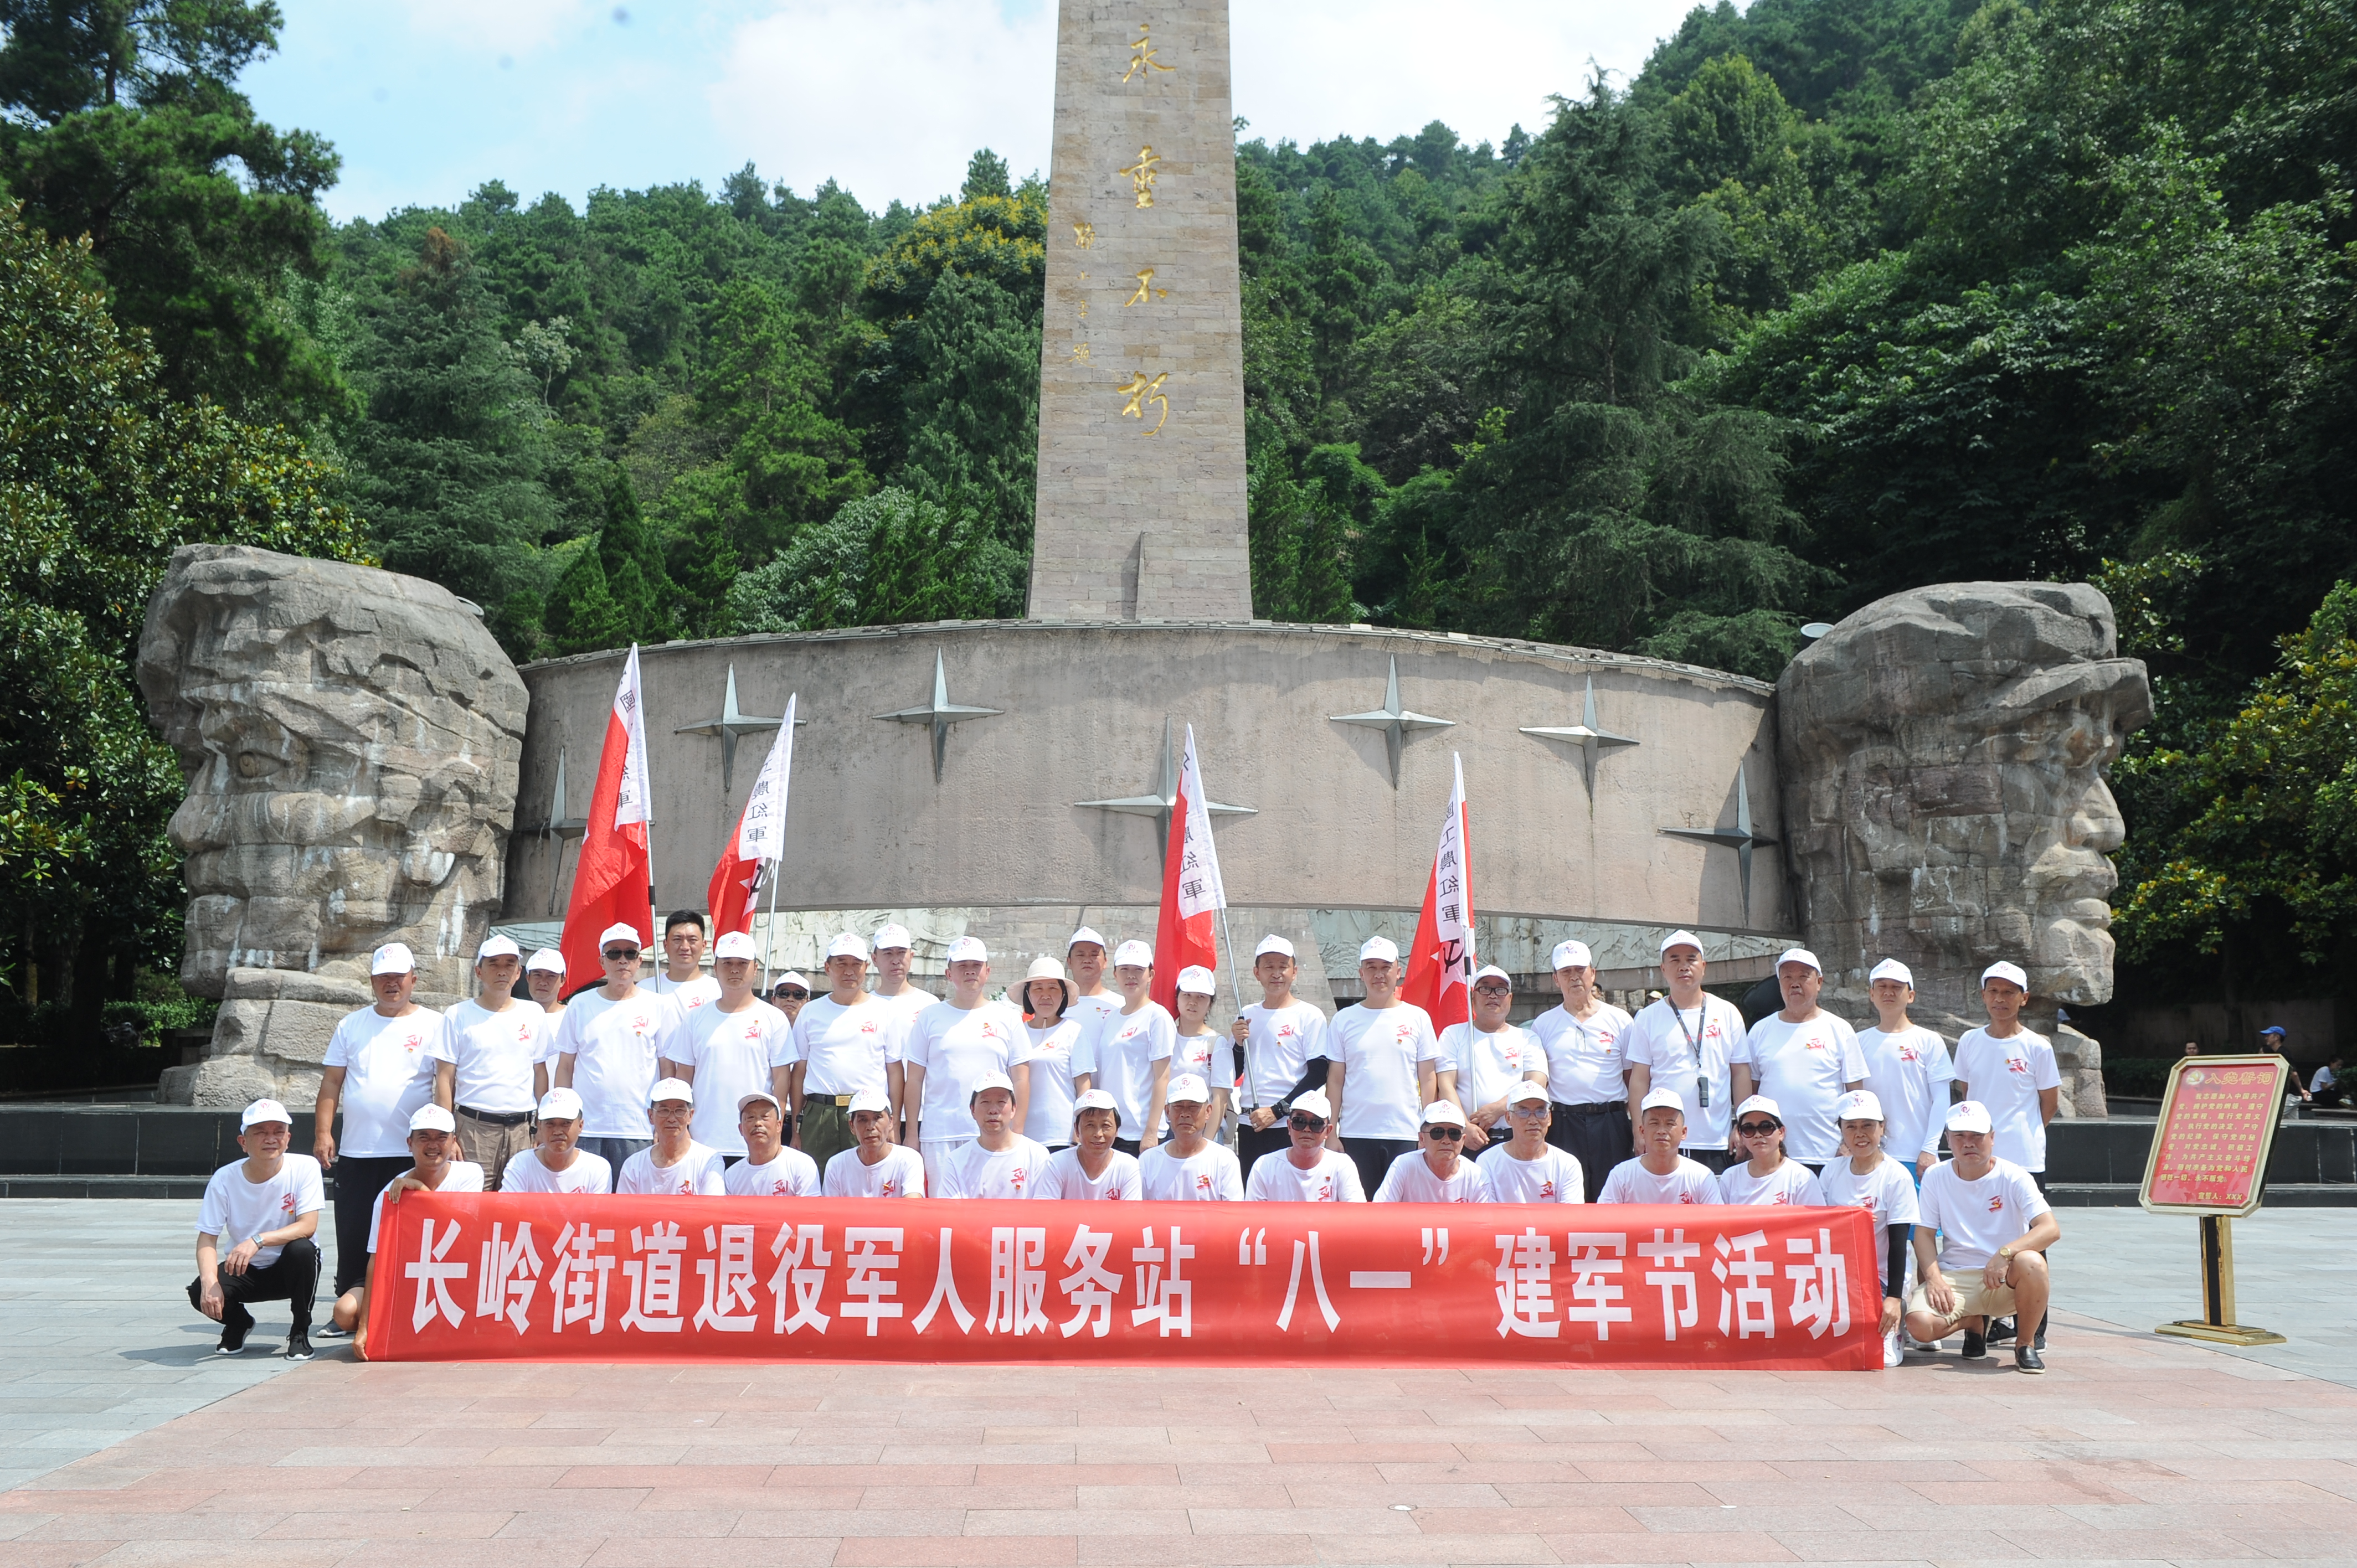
x=1198, y=1049
x=1308, y=1172
x=1865, y=1177
x=1524, y=1167
x=1436, y=1170
x=1092, y=1166
x=1770, y=1176
x=557, y=1163
x=1042, y=1064
x=1188, y=1166
x=1660, y=1174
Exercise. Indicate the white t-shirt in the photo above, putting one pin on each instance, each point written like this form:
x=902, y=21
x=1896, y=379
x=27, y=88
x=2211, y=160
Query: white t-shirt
x=687, y=995
x=1118, y=1055
x=1016, y=1171
x=1909, y=1073
x=614, y=1045
x=1065, y=1178
x=900, y=1174
x=236, y=1209
x=1048, y=1112
x=1379, y=1051
x=1975, y=1218
x=791, y=1174
x=1887, y=1192
x=1630, y=1182
x=733, y=1054
x=494, y=1052
x=388, y=1073
x=956, y=1045
x=903, y=1010
x=1410, y=1180
x=1553, y=1177
x=1333, y=1179
x=1587, y=1058
x=1087, y=1011
x=1806, y=1069
x=843, y=1049
x=2005, y=1076
x=1487, y=1065
x=463, y=1176
x=698, y=1174
x=588, y=1173
x=1280, y=1043
x=1210, y=1174
x=1788, y=1183
x=1681, y=1049
x=1210, y=1056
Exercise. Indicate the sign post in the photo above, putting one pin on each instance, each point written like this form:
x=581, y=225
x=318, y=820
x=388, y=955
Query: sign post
x=2209, y=1159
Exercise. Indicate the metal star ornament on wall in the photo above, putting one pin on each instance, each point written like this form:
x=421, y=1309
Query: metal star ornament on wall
x=1740, y=838
x=940, y=713
x=1396, y=723
x=562, y=828
x=1591, y=741
x=1161, y=804
x=729, y=726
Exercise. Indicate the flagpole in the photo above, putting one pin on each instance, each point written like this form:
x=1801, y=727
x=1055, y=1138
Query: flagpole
x=1237, y=989
x=776, y=862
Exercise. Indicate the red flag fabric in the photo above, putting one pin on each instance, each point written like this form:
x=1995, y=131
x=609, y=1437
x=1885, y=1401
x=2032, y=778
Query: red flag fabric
x=1440, y=961
x=1192, y=893
x=610, y=881
x=759, y=836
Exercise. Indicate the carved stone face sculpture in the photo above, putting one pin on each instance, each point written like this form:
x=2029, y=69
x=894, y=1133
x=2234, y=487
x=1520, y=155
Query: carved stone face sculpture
x=1942, y=757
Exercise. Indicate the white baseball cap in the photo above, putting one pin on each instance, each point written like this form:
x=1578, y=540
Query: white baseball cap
x=2001, y=970
x=1187, y=1088
x=846, y=945
x=969, y=950
x=1132, y=953
x=874, y=1099
x=791, y=977
x=1487, y=969
x=1273, y=943
x=671, y=1089
x=1379, y=949
x=619, y=932
x=547, y=960
x=1199, y=980
x=763, y=1095
x=735, y=944
x=1569, y=955
x=1095, y=1100
x=1526, y=1089
x=560, y=1105
x=1800, y=955
x=1661, y=1100
x=1315, y=1103
x=1085, y=934
x=988, y=1080
x=264, y=1110
x=893, y=936
x=1891, y=969
x=393, y=958
x=1441, y=1113
x=1859, y=1105
x=431, y=1118
x=496, y=946
x=1968, y=1116
x=1759, y=1102
x=1680, y=940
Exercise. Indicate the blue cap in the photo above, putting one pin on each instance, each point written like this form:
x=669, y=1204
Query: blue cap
x=2273, y=1029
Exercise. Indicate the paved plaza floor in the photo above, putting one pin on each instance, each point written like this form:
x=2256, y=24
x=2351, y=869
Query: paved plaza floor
x=2132, y=1449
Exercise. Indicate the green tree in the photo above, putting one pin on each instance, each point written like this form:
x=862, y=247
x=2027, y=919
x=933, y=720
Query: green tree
x=618, y=590
x=889, y=559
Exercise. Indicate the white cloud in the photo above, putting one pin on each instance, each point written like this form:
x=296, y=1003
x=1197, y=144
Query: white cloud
x=506, y=27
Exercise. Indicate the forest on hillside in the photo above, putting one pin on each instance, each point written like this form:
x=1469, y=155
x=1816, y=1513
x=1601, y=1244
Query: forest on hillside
x=1832, y=298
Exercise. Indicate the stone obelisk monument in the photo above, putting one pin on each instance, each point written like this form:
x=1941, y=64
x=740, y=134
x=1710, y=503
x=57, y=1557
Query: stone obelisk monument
x=1141, y=502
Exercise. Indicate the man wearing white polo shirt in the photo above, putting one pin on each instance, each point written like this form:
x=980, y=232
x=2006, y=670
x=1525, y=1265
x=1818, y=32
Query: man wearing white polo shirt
x=254, y=1234
x=1188, y=1166
x=434, y=1167
x=953, y=1046
x=1694, y=1043
x=873, y=1167
x=731, y=1047
x=1526, y=1168
x=682, y=979
x=493, y=1042
x=1382, y=1065
x=769, y=1169
x=1436, y=1170
x=1482, y=1058
x=1586, y=1039
x=674, y=1164
x=606, y=1047
x=1308, y=1172
x=557, y=1163
x=1907, y=1068
x=997, y=1161
x=1280, y=1036
x=1128, y=1053
x=1980, y=1243
x=379, y=1067
x=1092, y=1169
x=1660, y=1174
x=2011, y=1068
x=1807, y=1060
x=840, y=1051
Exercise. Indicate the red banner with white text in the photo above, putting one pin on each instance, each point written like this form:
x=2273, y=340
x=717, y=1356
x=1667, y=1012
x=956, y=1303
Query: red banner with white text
x=527, y=1277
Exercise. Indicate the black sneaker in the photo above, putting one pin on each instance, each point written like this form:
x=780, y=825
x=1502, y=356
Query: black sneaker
x=2000, y=1329
x=232, y=1342
x=298, y=1345
x=1976, y=1347
x=2026, y=1359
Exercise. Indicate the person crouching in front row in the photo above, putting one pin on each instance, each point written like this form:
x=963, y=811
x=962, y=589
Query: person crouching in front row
x=434, y=1167
x=266, y=1208
x=1992, y=1227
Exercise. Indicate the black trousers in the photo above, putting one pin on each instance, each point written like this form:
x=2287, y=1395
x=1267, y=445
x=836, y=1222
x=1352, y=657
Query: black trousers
x=1599, y=1139
x=1373, y=1156
x=358, y=1181
x=292, y=1279
x=1251, y=1143
x=1715, y=1161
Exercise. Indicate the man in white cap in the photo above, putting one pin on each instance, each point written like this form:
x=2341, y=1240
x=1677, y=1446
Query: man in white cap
x=254, y=1233
x=1980, y=1243
x=1865, y=1177
x=379, y=1069
x=674, y=1164
x=1694, y=1043
x=1584, y=1038
x=2011, y=1068
x=903, y=1002
x=1188, y=1166
x=1521, y=1165
x=1436, y=1170
x=792, y=989
x=1086, y=955
x=873, y=1167
x=1280, y=1037
x=843, y=1044
x=1128, y=1053
x=682, y=978
x=558, y=1163
x=495, y=1042
x=953, y=1046
x=544, y=978
x=1308, y=1172
x=1482, y=1058
x=1807, y=1060
x=997, y=1161
x=1382, y=1066
x=607, y=1045
x=1660, y=1174
x=769, y=1169
x=1092, y=1167
x=731, y=1047
x=1907, y=1068
x=1197, y=1047
x=434, y=1167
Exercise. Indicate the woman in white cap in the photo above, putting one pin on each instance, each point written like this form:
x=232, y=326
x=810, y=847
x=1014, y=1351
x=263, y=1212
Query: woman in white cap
x=1197, y=1047
x=998, y=1161
x=839, y=1052
x=434, y=1167
x=1127, y=1054
x=1436, y=1170
x=1522, y=1166
x=674, y=1164
x=543, y=977
x=1865, y=1177
x=1908, y=1069
x=1586, y=1041
x=1382, y=1065
x=1188, y=1166
x=1770, y=1176
x=1658, y=1173
x=1280, y=1037
x=1695, y=1044
x=1042, y=1067
x=734, y=1046
x=1807, y=1060
x=873, y=1167
x=769, y=1169
x=494, y=1042
x=951, y=1046
x=1308, y=1172
x=1092, y=1167
x=2009, y=1069
x=607, y=1042
x=1482, y=1058
x=558, y=1163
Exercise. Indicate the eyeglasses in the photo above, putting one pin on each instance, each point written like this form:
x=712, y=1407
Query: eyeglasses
x=1445, y=1134
x=1528, y=1107
x=615, y=955
x=1493, y=991
x=1306, y=1123
x=790, y=995
x=1757, y=1129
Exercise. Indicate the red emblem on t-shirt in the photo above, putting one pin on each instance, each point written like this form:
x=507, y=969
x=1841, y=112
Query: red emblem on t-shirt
x=1203, y=1183
x=2016, y=1063
x=1546, y=1189
x=1016, y=1178
x=889, y=1186
x=1325, y=1191
x=1997, y=1203
x=286, y=1204
x=868, y=1027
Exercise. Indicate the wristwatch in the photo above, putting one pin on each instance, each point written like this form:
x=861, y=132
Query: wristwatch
x=2006, y=1252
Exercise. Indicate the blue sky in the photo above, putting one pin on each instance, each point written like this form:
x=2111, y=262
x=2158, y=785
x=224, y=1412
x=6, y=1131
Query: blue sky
x=427, y=98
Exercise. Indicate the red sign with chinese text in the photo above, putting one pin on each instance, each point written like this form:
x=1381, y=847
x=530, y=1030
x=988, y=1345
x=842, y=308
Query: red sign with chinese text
x=2217, y=1123
x=530, y=1277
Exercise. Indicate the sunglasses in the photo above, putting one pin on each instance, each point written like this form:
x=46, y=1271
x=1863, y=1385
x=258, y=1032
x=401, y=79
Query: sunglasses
x=618, y=954
x=793, y=996
x=1306, y=1123
x=1757, y=1129
x=1445, y=1134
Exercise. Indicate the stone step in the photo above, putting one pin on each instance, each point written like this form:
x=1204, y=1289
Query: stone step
x=189, y=1188
x=2119, y=1194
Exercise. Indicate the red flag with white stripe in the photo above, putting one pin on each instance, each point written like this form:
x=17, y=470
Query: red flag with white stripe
x=760, y=838
x=1192, y=893
x=1440, y=963
x=610, y=881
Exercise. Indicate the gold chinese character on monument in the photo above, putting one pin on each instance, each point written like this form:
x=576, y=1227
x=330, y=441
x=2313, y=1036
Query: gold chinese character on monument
x=1144, y=287
x=1141, y=391
x=1141, y=56
x=1142, y=175
x=1084, y=235
x=1081, y=352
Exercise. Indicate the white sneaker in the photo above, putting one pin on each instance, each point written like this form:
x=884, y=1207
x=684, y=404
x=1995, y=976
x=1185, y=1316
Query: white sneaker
x=1892, y=1355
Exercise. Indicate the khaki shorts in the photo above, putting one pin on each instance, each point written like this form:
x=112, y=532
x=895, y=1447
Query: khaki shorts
x=1974, y=1298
